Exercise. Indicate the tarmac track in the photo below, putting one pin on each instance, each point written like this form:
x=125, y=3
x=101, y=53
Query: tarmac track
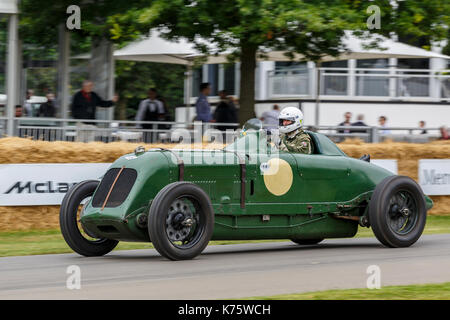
x=230, y=271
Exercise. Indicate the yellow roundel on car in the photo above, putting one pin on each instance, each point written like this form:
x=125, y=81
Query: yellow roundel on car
x=277, y=176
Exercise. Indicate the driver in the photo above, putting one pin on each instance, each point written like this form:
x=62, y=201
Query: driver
x=292, y=136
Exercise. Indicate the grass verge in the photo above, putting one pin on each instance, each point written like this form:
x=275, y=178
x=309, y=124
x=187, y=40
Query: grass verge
x=439, y=291
x=18, y=243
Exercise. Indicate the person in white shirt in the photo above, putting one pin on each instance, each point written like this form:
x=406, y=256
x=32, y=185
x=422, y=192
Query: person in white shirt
x=150, y=109
x=27, y=104
x=382, y=121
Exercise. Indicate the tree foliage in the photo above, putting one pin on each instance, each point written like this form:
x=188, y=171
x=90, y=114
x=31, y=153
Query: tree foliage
x=416, y=22
x=135, y=78
x=312, y=28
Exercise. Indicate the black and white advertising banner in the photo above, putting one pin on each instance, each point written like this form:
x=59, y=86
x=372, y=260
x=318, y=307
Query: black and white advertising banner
x=46, y=184
x=434, y=176
x=43, y=184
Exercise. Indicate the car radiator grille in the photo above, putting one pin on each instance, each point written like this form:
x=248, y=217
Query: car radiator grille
x=119, y=192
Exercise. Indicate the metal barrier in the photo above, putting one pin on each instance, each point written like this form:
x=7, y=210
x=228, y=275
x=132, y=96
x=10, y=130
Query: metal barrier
x=379, y=134
x=88, y=130
x=52, y=129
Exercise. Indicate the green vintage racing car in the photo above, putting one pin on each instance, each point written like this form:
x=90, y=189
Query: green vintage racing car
x=181, y=199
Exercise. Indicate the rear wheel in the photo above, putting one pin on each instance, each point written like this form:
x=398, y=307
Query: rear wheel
x=397, y=211
x=306, y=241
x=181, y=221
x=77, y=236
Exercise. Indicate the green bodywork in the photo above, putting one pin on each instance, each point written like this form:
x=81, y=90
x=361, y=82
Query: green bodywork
x=329, y=192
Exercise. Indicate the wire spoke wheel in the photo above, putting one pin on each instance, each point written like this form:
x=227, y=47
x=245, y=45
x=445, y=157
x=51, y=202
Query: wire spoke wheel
x=76, y=235
x=397, y=211
x=403, y=213
x=181, y=221
x=84, y=232
x=183, y=225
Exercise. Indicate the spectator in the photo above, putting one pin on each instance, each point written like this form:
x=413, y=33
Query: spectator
x=48, y=109
x=166, y=115
x=382, y=121
x=150, y=109
x=225, y=111
x=422, y=127
x=28, y=112
x=444, y=133
x=359, y=123
x=19, y=111
x=270, y=118
x=86, y=101
x=346, y=123
x=84, y=106
x=202, y=106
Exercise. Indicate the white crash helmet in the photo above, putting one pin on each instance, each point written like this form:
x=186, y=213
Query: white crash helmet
x=292, y=114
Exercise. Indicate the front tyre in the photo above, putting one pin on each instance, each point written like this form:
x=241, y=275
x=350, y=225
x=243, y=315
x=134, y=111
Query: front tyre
x=181, y=221
x=76, y=235
x=397, y=211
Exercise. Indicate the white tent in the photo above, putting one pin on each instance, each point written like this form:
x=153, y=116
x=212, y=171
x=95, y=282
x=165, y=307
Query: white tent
x=157, y=49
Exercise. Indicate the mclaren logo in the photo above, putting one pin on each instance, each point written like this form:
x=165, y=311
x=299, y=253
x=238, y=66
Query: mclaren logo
x=39, y=187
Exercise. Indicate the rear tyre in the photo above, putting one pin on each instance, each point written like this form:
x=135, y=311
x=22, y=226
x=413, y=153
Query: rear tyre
x=397, y=211
x=306, y=242
x=181, y=221
x=78, y=238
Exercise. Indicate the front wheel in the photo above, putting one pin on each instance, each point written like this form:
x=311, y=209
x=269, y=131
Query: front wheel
x=77, y=236
x=181, y=221
x=397, y=211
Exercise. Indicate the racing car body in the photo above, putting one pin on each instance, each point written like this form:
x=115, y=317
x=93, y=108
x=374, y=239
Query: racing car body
x=180, y=199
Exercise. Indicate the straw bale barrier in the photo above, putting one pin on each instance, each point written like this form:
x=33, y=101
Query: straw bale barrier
x=18, y=150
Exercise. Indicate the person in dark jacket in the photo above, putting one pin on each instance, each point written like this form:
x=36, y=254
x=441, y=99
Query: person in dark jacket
x=48, y=109
x=359, y=123
x=86, y=101
x=225, y=112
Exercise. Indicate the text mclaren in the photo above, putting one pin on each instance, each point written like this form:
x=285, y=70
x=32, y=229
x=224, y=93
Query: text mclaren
x=39, y=187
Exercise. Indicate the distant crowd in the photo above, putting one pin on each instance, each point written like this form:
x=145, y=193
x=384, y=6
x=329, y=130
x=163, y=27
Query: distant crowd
x=154, y=108
x=382, y=125
x=270, y=121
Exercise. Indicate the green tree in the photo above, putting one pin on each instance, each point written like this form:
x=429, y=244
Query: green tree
x=312, y=28
x=135, y=78
x=39, y=22
x=416, y=22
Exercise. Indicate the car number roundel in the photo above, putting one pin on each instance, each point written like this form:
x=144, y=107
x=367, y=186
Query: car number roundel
x=277, y=175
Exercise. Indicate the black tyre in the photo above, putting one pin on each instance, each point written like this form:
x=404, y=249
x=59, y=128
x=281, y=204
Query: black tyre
x=397, y=211
x=306, y=242
x=76, y=235
x=181, y=221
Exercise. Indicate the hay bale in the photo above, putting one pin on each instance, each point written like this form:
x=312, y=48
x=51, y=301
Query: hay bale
x=19, y=150
x=29, y=218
